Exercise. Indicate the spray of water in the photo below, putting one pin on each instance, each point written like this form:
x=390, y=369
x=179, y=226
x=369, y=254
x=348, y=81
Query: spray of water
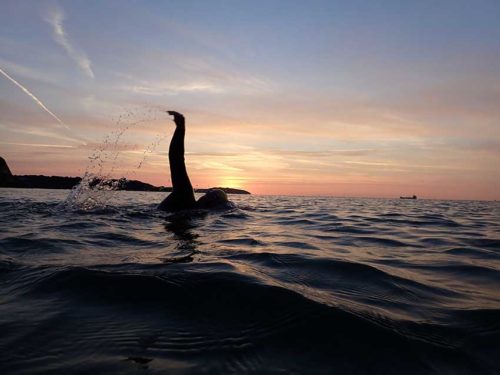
x=32, y=96
x=98, y=186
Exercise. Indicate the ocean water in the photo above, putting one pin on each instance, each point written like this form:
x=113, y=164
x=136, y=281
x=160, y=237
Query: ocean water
x=276, y=285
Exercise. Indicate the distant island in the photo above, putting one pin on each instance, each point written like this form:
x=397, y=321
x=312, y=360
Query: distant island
x=7, y=179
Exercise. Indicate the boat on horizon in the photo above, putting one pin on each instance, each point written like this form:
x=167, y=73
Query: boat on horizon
x=412, y=197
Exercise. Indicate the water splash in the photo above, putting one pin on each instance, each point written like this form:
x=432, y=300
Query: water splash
x=150, y=149
x=99, y=183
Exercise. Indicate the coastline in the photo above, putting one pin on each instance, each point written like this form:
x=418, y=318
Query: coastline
x=65, y=182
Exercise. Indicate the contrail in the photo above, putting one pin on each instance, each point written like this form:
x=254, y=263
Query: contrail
x=55, y=18
x=34, y=98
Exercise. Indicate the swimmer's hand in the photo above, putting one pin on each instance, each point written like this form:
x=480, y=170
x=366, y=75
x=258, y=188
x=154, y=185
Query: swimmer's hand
x=178, y=117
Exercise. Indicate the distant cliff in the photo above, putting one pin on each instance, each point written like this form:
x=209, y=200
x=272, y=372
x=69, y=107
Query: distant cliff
x=59, y=182
x=6, y=177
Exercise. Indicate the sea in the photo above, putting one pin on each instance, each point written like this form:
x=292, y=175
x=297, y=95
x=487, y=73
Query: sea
x=274, y=285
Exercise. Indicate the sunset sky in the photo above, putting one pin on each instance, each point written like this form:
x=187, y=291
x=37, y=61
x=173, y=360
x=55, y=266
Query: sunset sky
x=342, y=98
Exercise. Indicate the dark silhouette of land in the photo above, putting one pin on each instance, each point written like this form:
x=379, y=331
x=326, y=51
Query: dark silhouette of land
x=7, y=179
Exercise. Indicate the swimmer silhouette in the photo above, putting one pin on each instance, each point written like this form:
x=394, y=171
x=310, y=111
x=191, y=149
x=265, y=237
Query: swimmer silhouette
x=182, y=195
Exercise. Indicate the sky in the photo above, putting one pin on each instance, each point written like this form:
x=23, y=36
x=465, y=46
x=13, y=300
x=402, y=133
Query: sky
x=341, y=98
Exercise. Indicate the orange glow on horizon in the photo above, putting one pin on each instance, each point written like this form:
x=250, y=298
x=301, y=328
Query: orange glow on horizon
x=232, y=182
x=329, y=160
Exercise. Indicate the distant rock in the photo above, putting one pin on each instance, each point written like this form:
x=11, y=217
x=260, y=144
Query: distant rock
x=48, y=182
x=225, y=189
x=6, y=177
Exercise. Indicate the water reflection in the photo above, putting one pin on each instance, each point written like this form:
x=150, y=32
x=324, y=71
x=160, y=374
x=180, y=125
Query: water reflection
x=182, y=227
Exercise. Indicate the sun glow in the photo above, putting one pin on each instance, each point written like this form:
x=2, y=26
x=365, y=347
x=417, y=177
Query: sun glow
x=232, y=182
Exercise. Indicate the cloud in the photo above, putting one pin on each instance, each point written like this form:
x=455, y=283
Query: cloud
x=205, y=85
x=35, y=145
x=32, y=132
x=55, y=18
x=23, y=71
x=173, y=74
x=172, y=89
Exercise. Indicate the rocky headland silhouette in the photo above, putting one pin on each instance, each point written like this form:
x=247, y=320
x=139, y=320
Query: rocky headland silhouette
x=7, y=179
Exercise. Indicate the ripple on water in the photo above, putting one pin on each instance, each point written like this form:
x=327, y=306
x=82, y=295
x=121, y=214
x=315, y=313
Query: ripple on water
x=174, y=327
x=278, y=284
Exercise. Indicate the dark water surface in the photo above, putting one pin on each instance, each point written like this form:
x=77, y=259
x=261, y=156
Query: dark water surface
x=276, y=285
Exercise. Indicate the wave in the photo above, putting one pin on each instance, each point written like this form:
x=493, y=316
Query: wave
x=196, y=317
x=274, y=285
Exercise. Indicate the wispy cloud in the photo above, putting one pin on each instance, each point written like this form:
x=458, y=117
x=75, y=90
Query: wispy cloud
x=193, y=76
x=30, y=131
x=55, y=17
x=20, y=70
x=172, y=89
x=35, y=145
